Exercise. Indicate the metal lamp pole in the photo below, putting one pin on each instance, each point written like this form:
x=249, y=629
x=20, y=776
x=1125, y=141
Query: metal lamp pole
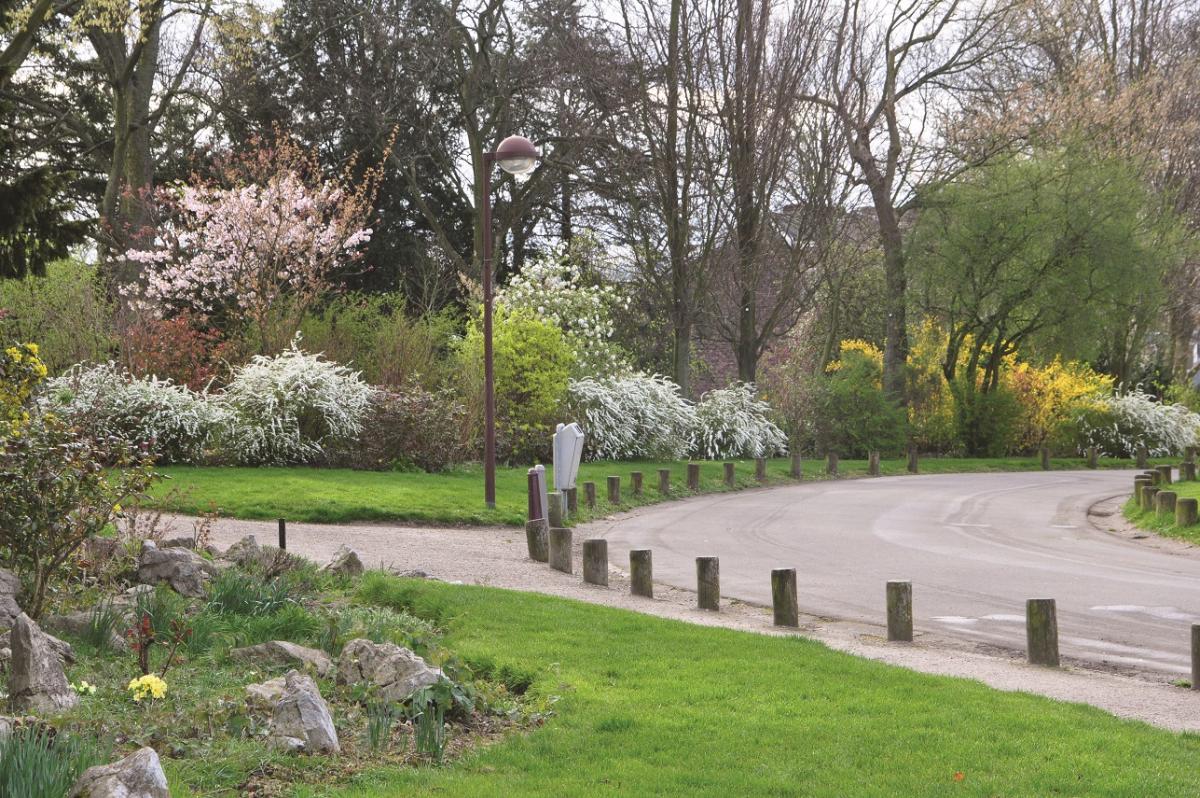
x=518, y=156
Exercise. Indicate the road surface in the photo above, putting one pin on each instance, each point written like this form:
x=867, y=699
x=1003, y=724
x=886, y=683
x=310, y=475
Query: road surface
x=975, y=546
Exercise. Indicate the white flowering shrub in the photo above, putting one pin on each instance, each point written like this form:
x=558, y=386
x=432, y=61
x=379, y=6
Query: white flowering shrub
x=732, y=423
x=290, y=408
x=632, y=417
x=177, y=423
x=1117, y=425
x=551, y=287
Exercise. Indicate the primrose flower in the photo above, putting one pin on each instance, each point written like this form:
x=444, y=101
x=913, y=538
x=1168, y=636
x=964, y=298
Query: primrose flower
x=83, y=688
x=149, y=686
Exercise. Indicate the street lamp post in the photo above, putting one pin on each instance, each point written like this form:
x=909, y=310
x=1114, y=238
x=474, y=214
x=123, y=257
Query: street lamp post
x=516, y=155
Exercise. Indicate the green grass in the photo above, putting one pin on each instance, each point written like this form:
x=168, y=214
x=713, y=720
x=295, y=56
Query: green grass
x=1165, y=524
x=663, y=708
x=456, y=497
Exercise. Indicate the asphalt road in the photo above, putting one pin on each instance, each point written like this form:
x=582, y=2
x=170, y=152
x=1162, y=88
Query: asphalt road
x=975, y=546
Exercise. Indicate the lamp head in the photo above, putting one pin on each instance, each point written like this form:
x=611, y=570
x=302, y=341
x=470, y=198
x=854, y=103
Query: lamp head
x=517, y=155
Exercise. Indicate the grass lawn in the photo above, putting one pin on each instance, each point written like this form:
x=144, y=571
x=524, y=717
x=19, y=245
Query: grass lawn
x=656, y=707
x=456, y=497
x=1165, y=524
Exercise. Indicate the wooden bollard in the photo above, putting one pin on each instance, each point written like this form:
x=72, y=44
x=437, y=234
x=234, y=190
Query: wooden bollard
x=708, y=583
x=797, y=470
x=664, y=481
x=1044, y=452
x=533, y=497
x=1093, y=457
x=560, y=549
x=1164, y=474
x=635, y=484
x=913, y=460
x=572, y=495
x=1189, y=454
x=1187, y=471
x=558, y=504
x=641, y=573
x=873, y=464
x=831, y=464
x=1148, y=493
x=595, y=561
x=1164, y=503
x=1196, y=656
x=693, y=479
x=1041, y=632
x=589, y=495
x=730, y=476
x=1155, y=477
x=1138, y=484
x=760, y=469
x=614, y=490
x=1143, y=457
x=283, y=534
x=783, y=597
x=1186, y=511
x=899, y=612
x=537, y=540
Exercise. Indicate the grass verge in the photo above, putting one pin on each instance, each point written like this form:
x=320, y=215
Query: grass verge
x=327, y=495
x=656, y=707
x=1165, y=524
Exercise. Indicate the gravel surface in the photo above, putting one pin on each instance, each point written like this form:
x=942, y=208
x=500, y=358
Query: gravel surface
x=496, y=557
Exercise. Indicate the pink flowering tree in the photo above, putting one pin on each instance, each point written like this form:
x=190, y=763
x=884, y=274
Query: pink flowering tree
x=259, y=245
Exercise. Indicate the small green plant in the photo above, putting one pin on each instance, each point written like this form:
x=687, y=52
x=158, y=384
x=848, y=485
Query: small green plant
x=36, y=763
x=428, y=716
x=235, y=592
x=381, y=715
x=104, y=624
x=291, y=622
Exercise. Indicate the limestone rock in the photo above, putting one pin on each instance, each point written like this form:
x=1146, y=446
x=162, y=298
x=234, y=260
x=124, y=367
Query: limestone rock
x=394, y=672
x=183, y=569
x=281, y=653
x=139, y=775
x=78, y=623
x=265, y=695
x=184, y=542
x=65, y=651
x=301, y=714
x=36, y=680
x=345, y=562
x=129, y=597
x=10, y=586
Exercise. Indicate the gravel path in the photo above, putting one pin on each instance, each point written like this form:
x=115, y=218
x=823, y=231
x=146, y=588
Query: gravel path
x=496, y=557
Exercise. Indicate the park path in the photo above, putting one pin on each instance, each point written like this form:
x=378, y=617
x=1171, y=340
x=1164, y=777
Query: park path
x=496, y=557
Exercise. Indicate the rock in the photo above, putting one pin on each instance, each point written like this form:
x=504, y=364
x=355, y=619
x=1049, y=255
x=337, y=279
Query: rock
x=36, y=680
x=10, y=586
x=129, y=597
x=345, y=562
x=5, y=658
x=303, y=715
x=265, y=695
x=185, y=542
x=139, y=775
x=281, y=653
x=65, y=651
x=78, y=624
x=183, y=569
x=394, y=672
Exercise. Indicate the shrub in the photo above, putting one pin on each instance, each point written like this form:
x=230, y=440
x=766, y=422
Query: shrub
x=67, y=312
x=632, y=417
x=38, y=763
x=177, y=423
x=1119, y=424
x=21, y=371
x=289, y=408
x=1049, y=397
x=931, y=410
x=182, y=349
x=732, y=423
x=235, y=592
x=853, y=414
x=407, y=429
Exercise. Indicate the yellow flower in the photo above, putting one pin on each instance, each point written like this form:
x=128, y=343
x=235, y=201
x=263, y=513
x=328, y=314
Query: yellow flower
x=149, y=686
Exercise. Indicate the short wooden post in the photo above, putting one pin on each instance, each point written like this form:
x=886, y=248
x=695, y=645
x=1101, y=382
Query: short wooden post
x=589, y=495
x=635, y=484
x=664, y=481
x=797, y=470
x=693, y=479
x=1041, y=632
x=1196, y=656
x=1148, y=493
x=760, y=469
x=831, y=464
x=1045, y=455
x=1093, y=457
x=534, y=496
x=537, y=540
x=913, y=460
x=641, y=574
x=595, y=561
x=1164, y=473
x=614, y=490
x=1189, y=454
x=899, y=612
x=560, y=549
x=730, y=477
x=1187, y=471
x=1164, y=503
x=873, y=464
x=1138, y=484
x=708, y=583
x=572, y=501
x=1186, y=510
x=558, y=504
x=783, y=597
x=283, y=534
x=1155, y=477
x=1143, y=457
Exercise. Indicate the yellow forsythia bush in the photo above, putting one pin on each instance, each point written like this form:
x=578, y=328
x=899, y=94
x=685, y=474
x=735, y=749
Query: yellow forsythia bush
x=20, y=372
x=1049, y=395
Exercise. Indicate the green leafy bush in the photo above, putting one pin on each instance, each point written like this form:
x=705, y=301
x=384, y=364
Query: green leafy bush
x=66, y=312
x=852, y=414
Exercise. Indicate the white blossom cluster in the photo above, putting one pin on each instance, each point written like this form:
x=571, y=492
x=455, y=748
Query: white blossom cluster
x=1134, y=419
x=638, y=416
x=550, y=286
